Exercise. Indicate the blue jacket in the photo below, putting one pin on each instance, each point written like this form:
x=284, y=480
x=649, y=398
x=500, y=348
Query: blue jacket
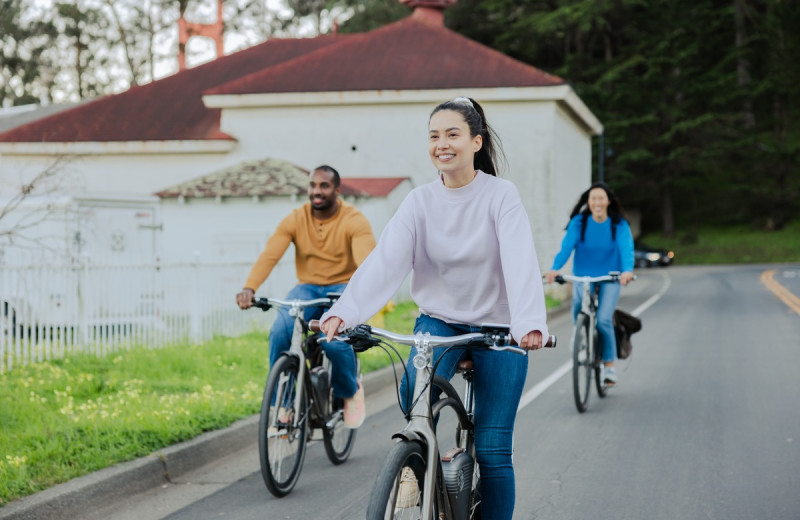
x=598, y=253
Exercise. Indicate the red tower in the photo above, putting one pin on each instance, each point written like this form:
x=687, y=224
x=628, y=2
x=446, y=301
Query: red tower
x=187, y=29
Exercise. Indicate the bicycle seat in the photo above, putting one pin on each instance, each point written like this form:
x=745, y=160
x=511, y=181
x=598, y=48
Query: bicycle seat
x=464, y=365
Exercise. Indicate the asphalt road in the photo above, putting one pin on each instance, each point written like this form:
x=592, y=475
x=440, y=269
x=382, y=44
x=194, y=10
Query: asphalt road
x=704, y=423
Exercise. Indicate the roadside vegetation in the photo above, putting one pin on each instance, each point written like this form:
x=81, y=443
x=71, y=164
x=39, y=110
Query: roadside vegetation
x=733, y=245
x=68, y=417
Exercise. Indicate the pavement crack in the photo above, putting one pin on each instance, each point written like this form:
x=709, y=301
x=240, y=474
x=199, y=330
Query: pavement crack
x=164, y=468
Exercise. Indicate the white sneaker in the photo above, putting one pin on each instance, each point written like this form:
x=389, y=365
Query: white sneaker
x=609, y=375
x=408, y=490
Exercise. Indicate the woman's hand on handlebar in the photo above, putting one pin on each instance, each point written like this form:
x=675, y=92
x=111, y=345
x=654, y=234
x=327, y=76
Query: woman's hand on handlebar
x=550, y=276
x=331, y=327
x=531, y=340
x=625, y=277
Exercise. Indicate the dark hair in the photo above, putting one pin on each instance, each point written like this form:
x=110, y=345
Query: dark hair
x=615, y=210
x=336, y=179
x=485, y=158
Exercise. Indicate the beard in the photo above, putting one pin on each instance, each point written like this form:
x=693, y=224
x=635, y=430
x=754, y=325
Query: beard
x=323, y=203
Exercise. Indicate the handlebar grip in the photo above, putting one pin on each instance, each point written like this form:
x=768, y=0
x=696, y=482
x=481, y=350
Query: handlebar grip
x=551, y=342
x=314, y=325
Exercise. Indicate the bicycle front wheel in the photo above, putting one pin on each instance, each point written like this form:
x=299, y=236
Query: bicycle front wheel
x=602, y=387
x=582, y=363
x=281, y=438
x=397, y=494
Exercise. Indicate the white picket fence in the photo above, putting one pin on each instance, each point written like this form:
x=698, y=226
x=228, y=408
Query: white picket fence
x=48, y=311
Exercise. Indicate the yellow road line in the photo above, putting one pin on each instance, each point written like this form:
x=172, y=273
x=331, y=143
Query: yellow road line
x=786, y=296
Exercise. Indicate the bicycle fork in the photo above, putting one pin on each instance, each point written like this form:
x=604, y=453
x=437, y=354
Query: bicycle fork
x=419, y=428
x=295, y=350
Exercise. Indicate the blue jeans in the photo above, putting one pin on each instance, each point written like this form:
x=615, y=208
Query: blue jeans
x=606, y=303
x=499, y=378
x=340, y=354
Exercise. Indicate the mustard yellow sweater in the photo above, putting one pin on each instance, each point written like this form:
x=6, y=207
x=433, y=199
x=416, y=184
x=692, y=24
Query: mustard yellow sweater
x=327, y=252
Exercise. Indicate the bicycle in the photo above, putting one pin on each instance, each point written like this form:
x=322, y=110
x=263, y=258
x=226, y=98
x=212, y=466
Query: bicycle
x=448, y=483
x=586, y=357
x=298, y=398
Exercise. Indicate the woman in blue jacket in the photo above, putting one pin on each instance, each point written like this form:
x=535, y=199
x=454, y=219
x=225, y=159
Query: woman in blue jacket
x=601, y=238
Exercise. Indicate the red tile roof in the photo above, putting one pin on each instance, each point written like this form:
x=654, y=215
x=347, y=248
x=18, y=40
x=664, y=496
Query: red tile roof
x=408, y=54
x=271, y=177
x=168, y=109
x=370, y=186
x=260, y=178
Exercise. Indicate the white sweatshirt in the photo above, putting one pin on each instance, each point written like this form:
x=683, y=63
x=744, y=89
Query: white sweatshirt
x=472, y=256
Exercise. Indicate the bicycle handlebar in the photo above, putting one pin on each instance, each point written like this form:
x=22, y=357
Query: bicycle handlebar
x=266, y=304
x=610, y=277
x=363, y=336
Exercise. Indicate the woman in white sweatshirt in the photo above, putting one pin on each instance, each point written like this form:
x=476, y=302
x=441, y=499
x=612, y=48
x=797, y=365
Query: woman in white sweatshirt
x=467, y=240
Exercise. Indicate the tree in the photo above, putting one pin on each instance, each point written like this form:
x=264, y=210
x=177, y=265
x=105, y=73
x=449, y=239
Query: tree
x=23, y=40
x=15, y=225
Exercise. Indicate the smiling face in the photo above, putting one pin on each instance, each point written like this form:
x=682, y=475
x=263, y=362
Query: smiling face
x=322, y=192
x=598, y=204
x=450, y=145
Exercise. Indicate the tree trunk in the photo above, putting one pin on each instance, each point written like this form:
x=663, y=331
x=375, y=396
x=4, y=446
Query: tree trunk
x=667, y=212
x=743, y=64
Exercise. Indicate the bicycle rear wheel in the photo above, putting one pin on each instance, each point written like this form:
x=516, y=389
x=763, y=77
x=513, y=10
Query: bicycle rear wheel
x=397, y=496
x=582, y=361
x=338, y=440
x=281, y=445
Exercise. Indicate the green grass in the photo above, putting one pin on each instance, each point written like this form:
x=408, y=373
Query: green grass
x=738, y=245
x=65, y=418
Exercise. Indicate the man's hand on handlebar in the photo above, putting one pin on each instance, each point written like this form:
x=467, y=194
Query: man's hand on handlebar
x=625, y=277
x=550, y=276
x=245, y=298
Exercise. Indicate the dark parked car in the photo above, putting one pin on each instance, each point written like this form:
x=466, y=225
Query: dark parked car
x=646, y=256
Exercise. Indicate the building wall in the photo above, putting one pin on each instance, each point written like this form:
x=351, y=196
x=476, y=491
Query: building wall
x=546, y=152
x=548, y=158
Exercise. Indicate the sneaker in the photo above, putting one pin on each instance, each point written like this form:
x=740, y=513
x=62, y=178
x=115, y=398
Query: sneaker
x=285, y=417
x=408, y=490
x=609, y=376
x=355, y=409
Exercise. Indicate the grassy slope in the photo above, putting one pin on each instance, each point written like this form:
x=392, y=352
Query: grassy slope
x=734, y=246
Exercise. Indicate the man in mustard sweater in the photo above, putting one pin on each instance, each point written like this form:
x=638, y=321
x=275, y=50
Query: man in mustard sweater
x=331, y=238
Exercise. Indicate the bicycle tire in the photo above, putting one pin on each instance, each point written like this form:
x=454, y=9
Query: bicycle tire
x=384, y=494
x=282, y=449
x=602, y=387
x=338, y=440
x=582, y=360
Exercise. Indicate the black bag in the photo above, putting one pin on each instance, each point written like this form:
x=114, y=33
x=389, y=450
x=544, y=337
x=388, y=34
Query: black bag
x=624, y=326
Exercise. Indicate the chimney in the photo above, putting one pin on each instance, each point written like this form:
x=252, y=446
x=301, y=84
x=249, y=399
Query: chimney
x=429, y=11
x=187, y=29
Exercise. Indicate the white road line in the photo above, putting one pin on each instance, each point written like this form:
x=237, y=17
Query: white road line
x=550, y=380
x=653, y=299
x=543, y=385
